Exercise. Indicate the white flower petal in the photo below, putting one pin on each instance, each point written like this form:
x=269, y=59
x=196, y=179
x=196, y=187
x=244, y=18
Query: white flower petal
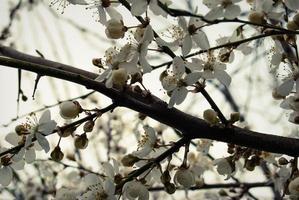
x=215, y=13
x=201, y=39
x=138, y=7
x=30, y=155
x=286, y=87
x=12, y=138
x=113, y=13
x=19, y=156
x=5, y=176
x=232, y=11
x=192, y=78
x=43, y=142
x=292, y=4
x=187, y=45
x=178, y=66
x=223, y=77
x=18, y=165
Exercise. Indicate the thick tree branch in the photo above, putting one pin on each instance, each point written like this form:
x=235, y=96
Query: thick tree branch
x=190, y=126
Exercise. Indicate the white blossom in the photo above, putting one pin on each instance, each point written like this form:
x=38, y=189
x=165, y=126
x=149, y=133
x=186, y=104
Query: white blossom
x=39, y=129
x=134, y=189
x=139, y=7
x=224, y=167
x=103, y=7
x=177, y=83
x=222, y=8
x=147, y=142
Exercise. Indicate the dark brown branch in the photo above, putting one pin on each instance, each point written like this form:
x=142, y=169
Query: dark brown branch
x=155, y=108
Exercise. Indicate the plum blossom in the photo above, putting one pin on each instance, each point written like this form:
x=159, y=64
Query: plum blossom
x=211, y=69
x=193, y=34
x=177, y=83
x=39, y=129
x=138, y=48
x=135, y=189
x=147, y=142
x=140, y=6
x=7, y=165
x=288, y=83
x=98, y=188
x=222, y=8
x=103, y=7
x=28, y=153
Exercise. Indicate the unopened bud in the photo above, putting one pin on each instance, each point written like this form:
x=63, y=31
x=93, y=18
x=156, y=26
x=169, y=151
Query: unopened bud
x=170, y=188
x=296, y=19
x=97, y=62
x=136, y=78
x=115, y=29
x=88, y=126
x=256, y=17
x=184, y=177
x=234, y=117
x=70, y=109
x=119, y=78
x=21, y=129
x=81, y=142
x=210, y=116
x=129, y=160
x=283, y=161
x=57, y=154
x=165, y=177
x=67, y=132
x=250, y=165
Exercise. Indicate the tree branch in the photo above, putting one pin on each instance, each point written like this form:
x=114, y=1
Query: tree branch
x=190, y=126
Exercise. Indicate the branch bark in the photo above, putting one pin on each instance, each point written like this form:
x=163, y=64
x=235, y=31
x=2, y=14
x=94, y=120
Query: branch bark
x=190, y=126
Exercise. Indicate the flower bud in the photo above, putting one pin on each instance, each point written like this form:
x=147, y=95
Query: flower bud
x=234, y=117
x=283, y=161
x=296, y=19
x=210, y=116
x=81, y=142
x=67, y=132
x=57, y=154
x=291, y=25
x=170, y=188
x=88, y=126
x=184, y=177
x=21, y=129
x=256, y=17
x=165, y=177
x=119, y=77
x=129, y=160
x=115, y=29
x=70, y=109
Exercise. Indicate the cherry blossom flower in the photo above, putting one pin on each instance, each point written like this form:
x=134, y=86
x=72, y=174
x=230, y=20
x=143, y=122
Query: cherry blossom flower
x=222, y=8
x=287, y=85
x=66, y=194
x=7, y=165
x=28, y=153
x=135, y=189
x=267, y=9
x=116, y=59
x=138, y=48
x=140, y=6
x=39, y=129
x=147, y=142
x=177, y=83
x=98, y=189
x=103, y=7
x=193, y=34
x=292, y=4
